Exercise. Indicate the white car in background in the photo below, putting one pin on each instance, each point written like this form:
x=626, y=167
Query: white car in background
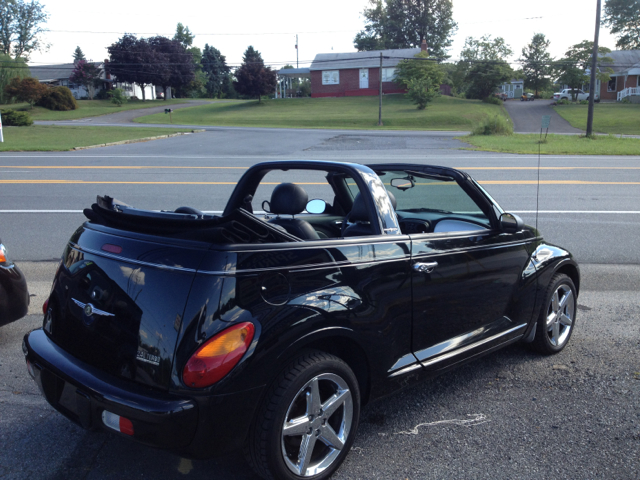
x=566, y=94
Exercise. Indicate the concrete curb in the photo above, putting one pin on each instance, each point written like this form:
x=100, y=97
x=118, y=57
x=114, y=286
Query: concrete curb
x=138, y=140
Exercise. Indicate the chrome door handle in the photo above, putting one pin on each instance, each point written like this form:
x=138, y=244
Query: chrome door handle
x=427, y=267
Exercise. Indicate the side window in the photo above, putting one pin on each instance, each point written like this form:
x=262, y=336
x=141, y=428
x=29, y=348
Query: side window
x=438, y=202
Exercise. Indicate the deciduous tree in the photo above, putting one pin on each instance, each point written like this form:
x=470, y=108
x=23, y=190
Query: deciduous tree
x=405, y=23
x=86, y=74
x=484, y=77
x=21, y=26
x=571, y=70
x=9, y=69
x=253, y=78
x=27, y=89
x=184, y=36
x=623, y=18
x=175, y=64
x=537, y=63
x=421, y=77
x=133, y=60
x=484, y=50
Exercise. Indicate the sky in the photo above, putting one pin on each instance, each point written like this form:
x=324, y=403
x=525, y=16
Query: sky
x=271, y=27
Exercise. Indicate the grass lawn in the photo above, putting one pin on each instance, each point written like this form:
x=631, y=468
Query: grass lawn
x=614, y=118
x=445, y=113
x=556, y=144
x=88, y=108
x=54, y=138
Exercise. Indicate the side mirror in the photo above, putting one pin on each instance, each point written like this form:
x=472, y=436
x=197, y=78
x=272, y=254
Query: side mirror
x=316, y=206
x=510, y=223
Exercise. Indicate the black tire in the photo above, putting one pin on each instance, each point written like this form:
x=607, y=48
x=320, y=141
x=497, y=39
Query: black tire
x=558, y=316
x=276, y=456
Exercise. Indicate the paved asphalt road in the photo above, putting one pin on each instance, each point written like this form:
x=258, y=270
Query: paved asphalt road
x=527, y=117
x=509, y=415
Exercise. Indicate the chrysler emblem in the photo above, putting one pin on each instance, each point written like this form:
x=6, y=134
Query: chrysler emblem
x=89, y=309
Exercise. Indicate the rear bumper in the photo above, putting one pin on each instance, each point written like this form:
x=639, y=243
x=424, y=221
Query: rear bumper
x=195, y=426
x=14, y=295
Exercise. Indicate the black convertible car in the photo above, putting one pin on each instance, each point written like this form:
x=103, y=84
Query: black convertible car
x=269, y=331
x=14, y=295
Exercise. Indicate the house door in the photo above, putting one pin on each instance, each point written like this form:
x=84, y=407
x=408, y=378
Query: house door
x=364, y=78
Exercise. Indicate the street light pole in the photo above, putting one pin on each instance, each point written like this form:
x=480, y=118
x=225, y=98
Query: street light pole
x=380, y=94
x=592, y=82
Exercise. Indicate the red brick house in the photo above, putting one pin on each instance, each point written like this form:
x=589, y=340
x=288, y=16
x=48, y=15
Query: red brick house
x=357, y=73
x=625, y=79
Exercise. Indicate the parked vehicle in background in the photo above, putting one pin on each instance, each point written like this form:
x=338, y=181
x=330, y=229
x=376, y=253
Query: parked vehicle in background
x=502, y=96
x=568, y=93
x=14, y=295
x=527, y=97
x=199, y=333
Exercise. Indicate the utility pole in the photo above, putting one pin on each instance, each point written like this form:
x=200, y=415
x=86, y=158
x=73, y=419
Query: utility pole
x=297, y=64
x=380, y=96
x=592, y=82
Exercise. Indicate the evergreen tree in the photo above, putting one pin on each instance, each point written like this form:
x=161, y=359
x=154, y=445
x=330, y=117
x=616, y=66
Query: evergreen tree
x=253, y=79
x=78, y=55
x=536, y=63
x=214, y=66
x=184, y=36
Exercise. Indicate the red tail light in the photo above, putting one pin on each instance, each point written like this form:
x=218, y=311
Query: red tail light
x=45, y=306
x=213, y=360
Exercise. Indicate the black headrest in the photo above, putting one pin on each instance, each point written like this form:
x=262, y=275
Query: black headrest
x=359, y=212
x=392, y=197
x=288, y=199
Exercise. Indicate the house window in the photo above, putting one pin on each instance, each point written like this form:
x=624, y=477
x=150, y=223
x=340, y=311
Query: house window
x=611, y=86
x=388, y=74
x=331, y=77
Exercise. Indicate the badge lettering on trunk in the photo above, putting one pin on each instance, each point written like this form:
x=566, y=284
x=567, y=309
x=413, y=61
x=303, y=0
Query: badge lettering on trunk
x=148, y=358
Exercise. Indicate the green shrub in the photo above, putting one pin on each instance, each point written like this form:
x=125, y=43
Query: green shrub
x=563, y=102
x=58, y=98
x=117, y=96
x=584, y=102
x=494, y=126
x=102, y=95
x=492, y=100
x=421, y=92
x=12, y=118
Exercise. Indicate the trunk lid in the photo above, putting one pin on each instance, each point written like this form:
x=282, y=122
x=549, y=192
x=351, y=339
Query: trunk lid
x=118, y=299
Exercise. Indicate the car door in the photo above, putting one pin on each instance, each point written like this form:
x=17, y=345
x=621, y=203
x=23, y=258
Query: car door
x=467, y=282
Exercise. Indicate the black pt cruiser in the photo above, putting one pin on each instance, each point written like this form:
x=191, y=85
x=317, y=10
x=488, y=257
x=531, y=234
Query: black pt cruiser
x=270, y=326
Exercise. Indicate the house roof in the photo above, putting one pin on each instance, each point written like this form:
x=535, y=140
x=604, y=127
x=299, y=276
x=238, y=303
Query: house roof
x=625, y=62
x=294, y=72
x=371, y=59
x=51, y=73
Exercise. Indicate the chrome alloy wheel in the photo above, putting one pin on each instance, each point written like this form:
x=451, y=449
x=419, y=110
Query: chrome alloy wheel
x=560, y=315
x=317, y=425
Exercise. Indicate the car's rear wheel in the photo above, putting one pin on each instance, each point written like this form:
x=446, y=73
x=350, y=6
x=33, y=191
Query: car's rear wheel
x=558, y=316
x=308, y=420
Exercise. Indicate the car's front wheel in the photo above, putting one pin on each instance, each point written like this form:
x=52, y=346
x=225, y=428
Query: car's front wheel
x=558, y=316
x=308, y=420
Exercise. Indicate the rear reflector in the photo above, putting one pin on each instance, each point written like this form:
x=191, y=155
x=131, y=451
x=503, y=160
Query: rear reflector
x=117, y=423
x=107, y=247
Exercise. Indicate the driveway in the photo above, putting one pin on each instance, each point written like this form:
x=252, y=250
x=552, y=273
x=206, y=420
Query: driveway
x=127, y=116
x=527, y=117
